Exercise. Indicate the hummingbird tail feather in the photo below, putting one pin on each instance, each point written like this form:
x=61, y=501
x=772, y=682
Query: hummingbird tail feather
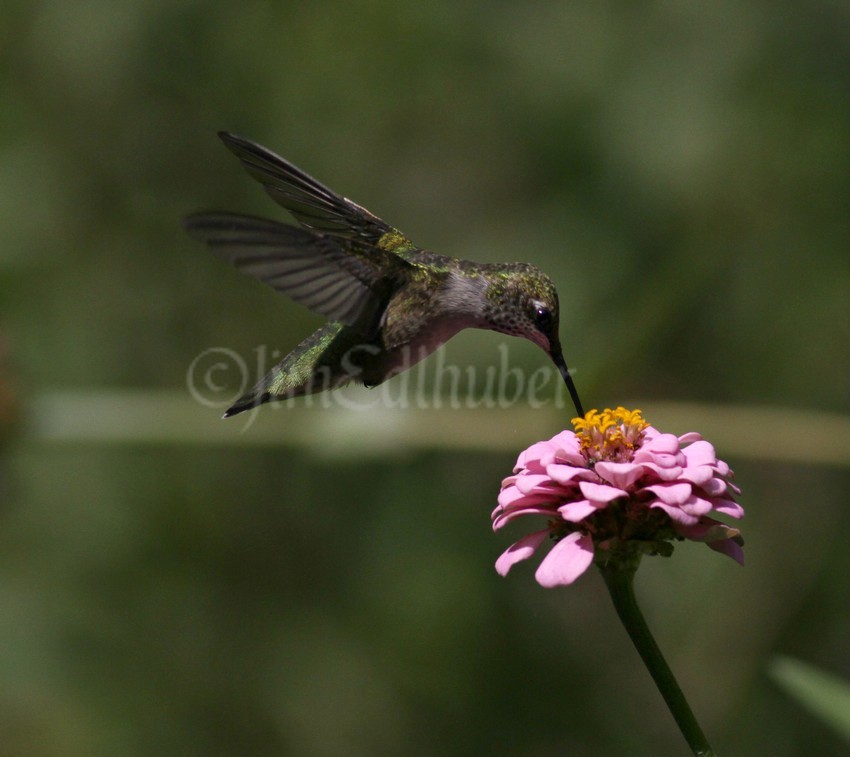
x=317, y=364
x=247, y=402
x=272, y=387
x=259, y=395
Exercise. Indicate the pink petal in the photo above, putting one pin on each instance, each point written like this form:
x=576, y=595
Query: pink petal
x=566, y=561
x=565, y=474
x=570, y=457
x=698, y=475
x=506, y=516
x=521, y=550
x=673, y=493
x=700, y=453
x=707, y=530
x=722, y=468
x=695, y=505
x=662, y=450
x=661, y=444
x=714, y=487
x=667, y=460
x=691, y=436
x=576, y=511
x=729, y=547
x=665, y=474
x=716, y=535
x=530, y=481
x=621, y=475
x=529, y=458
x=601, y=493
x=566, y=440
x=677, y=514
x=728, y=507
x=511, y=497
x=546, y=459
x=565, y=448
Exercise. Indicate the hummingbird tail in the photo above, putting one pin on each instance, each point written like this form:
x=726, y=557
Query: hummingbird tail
x=256, y=397
x=246, y=402
x=317, y=364
x=273, y=386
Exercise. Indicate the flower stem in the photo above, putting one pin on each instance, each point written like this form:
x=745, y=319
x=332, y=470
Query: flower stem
x=619, y=578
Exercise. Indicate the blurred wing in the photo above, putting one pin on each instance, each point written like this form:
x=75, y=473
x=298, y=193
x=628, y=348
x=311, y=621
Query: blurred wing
x=343, y=280
x=313, y=204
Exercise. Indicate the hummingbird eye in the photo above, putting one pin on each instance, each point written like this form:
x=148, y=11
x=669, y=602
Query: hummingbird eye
x=543, y=318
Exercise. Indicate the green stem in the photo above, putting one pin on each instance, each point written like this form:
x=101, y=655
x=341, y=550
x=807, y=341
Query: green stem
x=619, y=578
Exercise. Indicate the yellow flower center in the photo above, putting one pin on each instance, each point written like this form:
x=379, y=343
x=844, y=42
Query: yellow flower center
x=610, y=435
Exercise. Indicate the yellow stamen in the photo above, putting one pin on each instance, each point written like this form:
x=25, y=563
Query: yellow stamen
x=610, y=435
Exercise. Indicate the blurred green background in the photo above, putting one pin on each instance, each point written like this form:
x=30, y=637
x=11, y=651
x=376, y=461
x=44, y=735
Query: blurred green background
x=321, y=582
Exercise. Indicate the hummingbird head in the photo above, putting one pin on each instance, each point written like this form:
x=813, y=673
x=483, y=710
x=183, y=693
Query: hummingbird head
x=521, y=300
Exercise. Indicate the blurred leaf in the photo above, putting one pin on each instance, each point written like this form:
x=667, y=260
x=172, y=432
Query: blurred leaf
x=823, y=694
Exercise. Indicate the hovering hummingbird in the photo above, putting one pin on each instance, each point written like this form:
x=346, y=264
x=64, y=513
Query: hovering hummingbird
x=389, y=303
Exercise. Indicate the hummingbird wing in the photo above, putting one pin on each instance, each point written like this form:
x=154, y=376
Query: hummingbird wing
x=314, y=205
x=344, y=280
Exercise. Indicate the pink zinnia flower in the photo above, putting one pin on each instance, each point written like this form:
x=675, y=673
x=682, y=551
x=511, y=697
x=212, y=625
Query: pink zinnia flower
x=616, y=486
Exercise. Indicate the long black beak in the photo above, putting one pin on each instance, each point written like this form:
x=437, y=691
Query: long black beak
x=558, y=359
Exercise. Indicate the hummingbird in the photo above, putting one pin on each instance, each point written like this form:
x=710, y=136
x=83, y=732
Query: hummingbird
x=389, y=303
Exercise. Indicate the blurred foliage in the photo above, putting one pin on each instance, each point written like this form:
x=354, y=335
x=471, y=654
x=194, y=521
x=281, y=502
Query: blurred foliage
x=825, y=695
x=681, y=172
